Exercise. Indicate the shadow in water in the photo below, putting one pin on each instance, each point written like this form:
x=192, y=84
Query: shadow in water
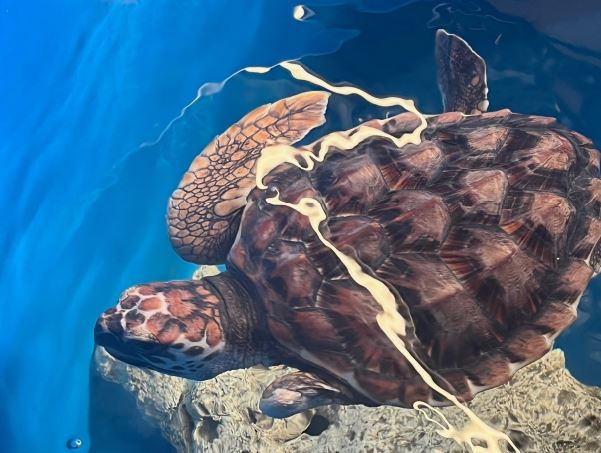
x=128, y=431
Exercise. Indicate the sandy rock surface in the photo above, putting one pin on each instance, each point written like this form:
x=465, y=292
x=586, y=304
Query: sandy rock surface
x=543, y=409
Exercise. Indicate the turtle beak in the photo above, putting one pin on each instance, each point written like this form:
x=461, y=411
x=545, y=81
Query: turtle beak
x=103, y=336
x=108, y=330
x=109, y=333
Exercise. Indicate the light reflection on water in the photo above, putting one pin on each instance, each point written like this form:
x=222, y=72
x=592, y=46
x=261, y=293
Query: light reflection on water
x=85, y=203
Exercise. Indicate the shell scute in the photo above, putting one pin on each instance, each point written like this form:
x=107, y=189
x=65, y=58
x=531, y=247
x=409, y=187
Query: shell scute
x=414, y=220
x=538, y=221
x=363, y=236
x=292, y=273
x=414, y=168
x=585, y=237
x=487, y=140
x=353, y=187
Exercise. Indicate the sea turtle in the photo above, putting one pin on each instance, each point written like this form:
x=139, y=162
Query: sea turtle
x=487, y=232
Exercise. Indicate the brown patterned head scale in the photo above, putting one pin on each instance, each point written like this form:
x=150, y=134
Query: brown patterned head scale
x=173, y=327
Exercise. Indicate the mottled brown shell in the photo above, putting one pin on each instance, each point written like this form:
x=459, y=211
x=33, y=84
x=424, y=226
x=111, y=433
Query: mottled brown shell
x=486, y=232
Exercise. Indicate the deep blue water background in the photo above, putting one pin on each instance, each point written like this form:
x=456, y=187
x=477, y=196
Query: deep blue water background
x=93, y=140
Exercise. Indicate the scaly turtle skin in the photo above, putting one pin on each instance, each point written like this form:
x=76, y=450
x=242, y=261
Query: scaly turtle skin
x=487, y=232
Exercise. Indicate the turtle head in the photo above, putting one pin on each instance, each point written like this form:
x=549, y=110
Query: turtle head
x=181, y=328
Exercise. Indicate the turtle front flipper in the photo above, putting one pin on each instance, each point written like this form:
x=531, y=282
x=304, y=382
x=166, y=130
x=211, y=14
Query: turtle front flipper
x=461, y=75
x=299, y=391
x=204, y=211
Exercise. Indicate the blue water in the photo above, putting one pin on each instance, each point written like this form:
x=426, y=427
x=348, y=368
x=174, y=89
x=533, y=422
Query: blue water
x=93, y=139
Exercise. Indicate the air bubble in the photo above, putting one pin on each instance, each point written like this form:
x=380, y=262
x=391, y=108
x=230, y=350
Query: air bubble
x=74, y=443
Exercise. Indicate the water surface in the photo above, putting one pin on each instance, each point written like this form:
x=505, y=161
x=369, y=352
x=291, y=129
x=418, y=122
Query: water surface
x=94, y=139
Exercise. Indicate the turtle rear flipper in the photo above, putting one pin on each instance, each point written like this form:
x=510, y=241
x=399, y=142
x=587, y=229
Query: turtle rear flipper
x=461, y=75
x=299, y=391
x=204, y=211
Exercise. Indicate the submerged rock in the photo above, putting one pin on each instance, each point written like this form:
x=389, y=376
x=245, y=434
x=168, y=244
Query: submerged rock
x=543, y=408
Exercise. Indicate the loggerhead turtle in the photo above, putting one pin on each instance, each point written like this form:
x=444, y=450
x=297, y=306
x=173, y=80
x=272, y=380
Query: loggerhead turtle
x=487, y=233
